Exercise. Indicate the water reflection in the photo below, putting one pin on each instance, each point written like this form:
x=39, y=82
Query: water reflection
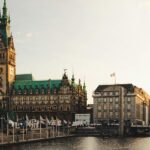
x=87, y=143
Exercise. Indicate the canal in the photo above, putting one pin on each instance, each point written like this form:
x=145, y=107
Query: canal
x=87, y=143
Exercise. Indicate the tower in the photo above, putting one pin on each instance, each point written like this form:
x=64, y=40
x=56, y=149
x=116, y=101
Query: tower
x=7, y=54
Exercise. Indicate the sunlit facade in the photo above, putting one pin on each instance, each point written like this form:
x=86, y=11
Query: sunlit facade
x=107, y=104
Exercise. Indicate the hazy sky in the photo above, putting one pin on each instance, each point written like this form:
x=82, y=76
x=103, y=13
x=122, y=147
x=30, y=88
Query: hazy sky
x=92, y=38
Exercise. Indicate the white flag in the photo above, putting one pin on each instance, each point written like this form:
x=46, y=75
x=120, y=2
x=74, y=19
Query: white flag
x=113, y=74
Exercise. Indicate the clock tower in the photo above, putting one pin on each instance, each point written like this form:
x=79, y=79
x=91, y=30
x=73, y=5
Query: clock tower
x=7, y=54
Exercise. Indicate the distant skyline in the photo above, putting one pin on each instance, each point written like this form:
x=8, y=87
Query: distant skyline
x=91, y=39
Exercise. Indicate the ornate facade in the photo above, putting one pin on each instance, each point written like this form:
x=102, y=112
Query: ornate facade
x=7, y=57
x=62, y=98
x=24, y=95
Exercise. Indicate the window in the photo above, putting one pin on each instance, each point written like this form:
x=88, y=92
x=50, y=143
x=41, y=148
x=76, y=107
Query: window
x=61, y=108
x=110, y=100
x=100, y=100
x=110, y=107
x=116, y=114
x=31, y=91
x=43, y=91
x=111, y=93
x=19, y=92
x=48, y=91
x=36, y=98
x=111, y=114
x=117, y=93
x=25, y=92
x=105, y=100
x=55, y=107
x=128, y=106
x=116, y=106
x=105, y=115
x=99, y=114
x=116, y=99
x=105, y=107
x=30, y=98
x=128, y=99
x=105, y=93
x=129, y=114
x=37, y=91
x=42, y=98
x=99, y=107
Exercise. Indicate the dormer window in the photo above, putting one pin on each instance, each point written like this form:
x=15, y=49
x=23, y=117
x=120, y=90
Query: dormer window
x=31, y=91
x=37, y=91
x=42, y=91
x=25, y=92
x=48, y=91
x=19, y=92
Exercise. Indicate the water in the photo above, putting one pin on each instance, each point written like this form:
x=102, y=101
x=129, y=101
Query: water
x=87, y=143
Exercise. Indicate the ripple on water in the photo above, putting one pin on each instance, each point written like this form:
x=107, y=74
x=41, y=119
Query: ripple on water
x=87, y=143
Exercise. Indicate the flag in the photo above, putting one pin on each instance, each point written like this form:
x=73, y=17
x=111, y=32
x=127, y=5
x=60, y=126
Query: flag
x=58, y=121
x=113, y=74
x=65, y=122
x=27, y=120
x=47, y=121
x=42, y=120
x=53, y=122
x=10, y=122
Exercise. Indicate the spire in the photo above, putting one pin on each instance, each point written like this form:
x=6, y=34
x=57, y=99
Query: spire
x=79, y=82
x=4, y=10
x=84, y=87
x=72, y=80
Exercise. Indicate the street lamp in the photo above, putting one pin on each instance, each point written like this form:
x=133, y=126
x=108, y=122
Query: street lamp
x=2, y=129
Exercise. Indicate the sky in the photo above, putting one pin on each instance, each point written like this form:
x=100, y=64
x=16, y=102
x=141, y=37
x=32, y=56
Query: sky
x=90, y=38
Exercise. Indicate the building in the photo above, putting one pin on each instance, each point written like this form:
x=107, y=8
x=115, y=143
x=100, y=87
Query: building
x=62, y=98
x=89, y=110
x=7, y=57
x=84, y=119
x=118, y=102
x=23, y=95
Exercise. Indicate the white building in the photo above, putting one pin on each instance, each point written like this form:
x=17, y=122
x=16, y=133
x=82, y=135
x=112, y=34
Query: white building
x=83, y=118
x=112, y=104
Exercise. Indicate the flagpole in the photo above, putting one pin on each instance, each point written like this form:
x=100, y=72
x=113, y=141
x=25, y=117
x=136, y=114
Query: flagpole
x=26, y=123
x=23, y=132
x=47, y=125
x=53, y=129
x=2, y=128
x=114, y=76
x=14, y=132
x=40, y=126
x=7, y=125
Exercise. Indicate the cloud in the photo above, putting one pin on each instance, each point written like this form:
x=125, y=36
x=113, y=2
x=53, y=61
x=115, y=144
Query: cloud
x=29, y=34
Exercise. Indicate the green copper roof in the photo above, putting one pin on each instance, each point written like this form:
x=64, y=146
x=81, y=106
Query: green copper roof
x=26, y=81
x=24, y=77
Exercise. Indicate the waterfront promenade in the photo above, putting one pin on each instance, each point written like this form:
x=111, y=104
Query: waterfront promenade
x=19, y=136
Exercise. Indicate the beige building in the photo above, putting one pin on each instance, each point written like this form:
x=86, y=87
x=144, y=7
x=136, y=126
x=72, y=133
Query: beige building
x=121, y=101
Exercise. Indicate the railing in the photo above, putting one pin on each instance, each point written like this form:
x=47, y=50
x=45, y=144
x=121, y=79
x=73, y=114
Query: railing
x=17, y=135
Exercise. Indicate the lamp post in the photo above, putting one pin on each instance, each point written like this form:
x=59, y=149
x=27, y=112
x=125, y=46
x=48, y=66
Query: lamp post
x=2, y=129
